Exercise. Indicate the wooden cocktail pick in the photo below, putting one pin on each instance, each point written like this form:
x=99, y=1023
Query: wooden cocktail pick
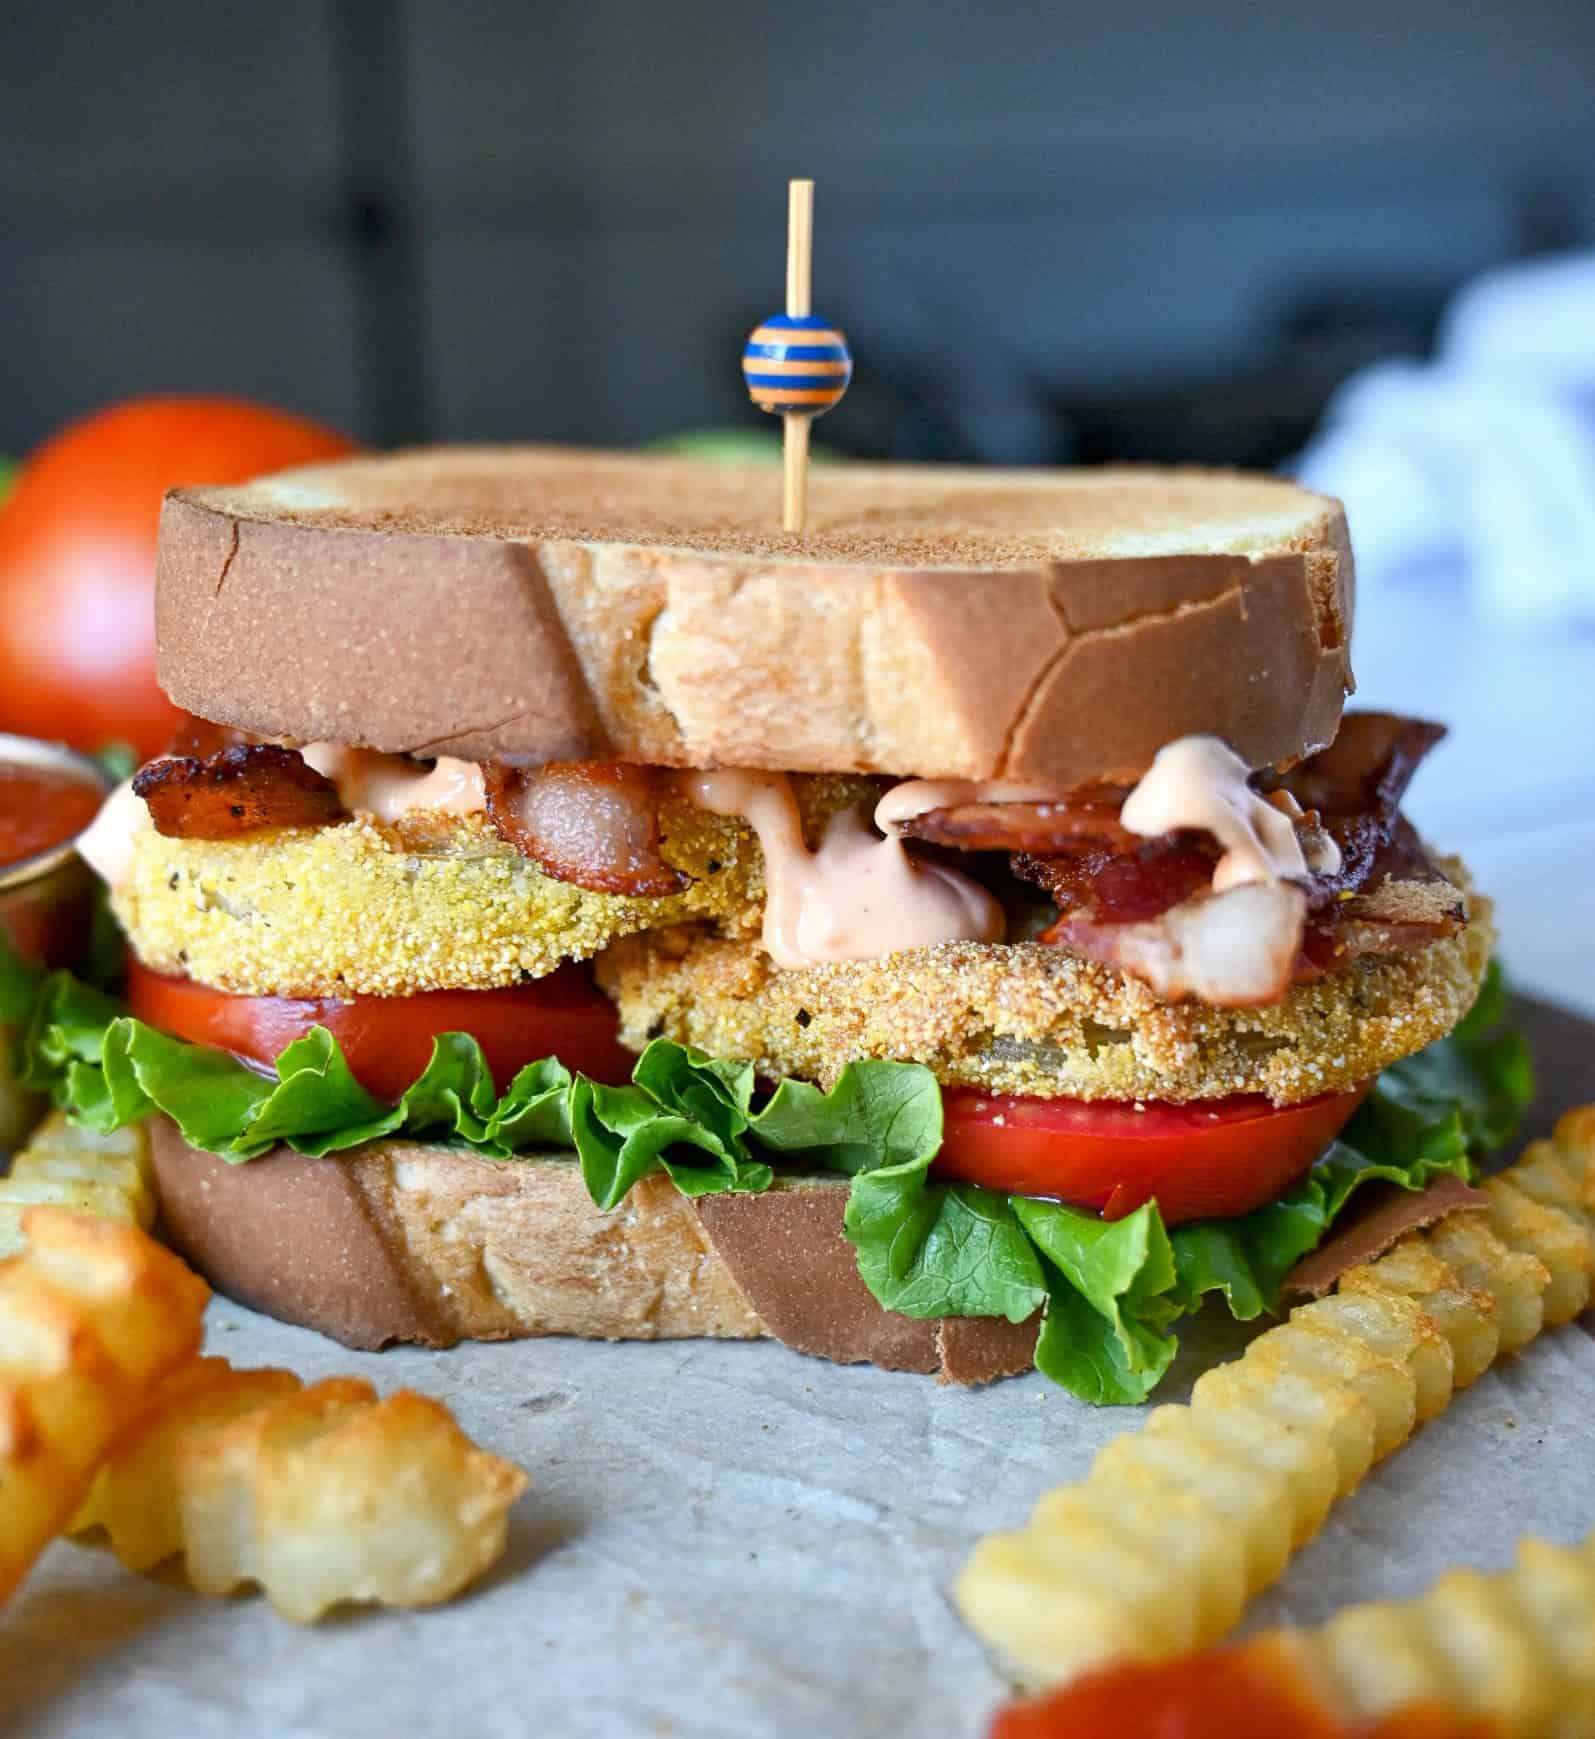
x=796, y=365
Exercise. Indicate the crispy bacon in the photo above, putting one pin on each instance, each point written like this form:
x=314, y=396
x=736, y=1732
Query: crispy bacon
x=1150, y=911
x=1124, y=886
x=1352, y=913
x=234, y=791
x=594, y=824
x=1366, y=770
x=1090, y=818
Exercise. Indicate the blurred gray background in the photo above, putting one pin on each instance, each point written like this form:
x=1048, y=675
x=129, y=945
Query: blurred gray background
x=1064, y=231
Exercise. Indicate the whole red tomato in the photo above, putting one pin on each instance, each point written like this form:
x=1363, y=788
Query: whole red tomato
x=77, y=557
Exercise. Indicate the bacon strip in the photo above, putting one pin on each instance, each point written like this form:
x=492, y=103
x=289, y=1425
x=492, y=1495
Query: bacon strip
x=594, y=824
x=1149, y=910
x=1124, y=886
x=1089, y=818
x=1366, y=770
x=235, y=791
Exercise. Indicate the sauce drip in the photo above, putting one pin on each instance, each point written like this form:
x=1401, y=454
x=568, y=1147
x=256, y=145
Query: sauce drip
x=107, y=845
x=388, y=786
x=915, y=797
x=858, y=896
x=41, y=807
x=1201, y=784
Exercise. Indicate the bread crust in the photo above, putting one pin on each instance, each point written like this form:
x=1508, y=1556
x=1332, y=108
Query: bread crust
x=401, y=1241
x=536, y=604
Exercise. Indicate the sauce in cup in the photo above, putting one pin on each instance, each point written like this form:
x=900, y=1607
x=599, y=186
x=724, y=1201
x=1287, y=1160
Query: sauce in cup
x=48, y=795
x=41, y=807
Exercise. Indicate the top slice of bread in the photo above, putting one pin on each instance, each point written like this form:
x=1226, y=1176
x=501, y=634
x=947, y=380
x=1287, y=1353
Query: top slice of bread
x=534, y=603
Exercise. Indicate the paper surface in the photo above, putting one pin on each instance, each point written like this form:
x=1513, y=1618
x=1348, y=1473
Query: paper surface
x=731, y=1539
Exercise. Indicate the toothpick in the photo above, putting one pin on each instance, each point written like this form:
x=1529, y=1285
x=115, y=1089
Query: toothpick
x=795, y=364
x=799, y=284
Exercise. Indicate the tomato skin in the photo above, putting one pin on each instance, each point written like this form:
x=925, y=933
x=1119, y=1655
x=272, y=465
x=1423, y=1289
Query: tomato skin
x=1206, y=1160
x=77, y=557
x=388, y=1039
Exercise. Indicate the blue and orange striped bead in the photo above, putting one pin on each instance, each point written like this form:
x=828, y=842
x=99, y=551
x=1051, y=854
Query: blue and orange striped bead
x=796, y=365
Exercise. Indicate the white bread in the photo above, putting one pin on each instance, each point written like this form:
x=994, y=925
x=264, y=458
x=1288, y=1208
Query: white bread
x=528, y=604
x=400, y=1241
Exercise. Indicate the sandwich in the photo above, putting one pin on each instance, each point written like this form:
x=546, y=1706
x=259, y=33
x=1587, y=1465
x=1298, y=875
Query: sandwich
x=963, y=937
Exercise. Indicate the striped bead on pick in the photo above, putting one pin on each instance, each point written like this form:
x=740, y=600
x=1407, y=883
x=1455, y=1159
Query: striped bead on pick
x=796, y=365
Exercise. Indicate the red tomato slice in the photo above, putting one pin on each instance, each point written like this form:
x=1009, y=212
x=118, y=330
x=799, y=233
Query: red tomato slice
x=388, y=1039
x=1206, y=1160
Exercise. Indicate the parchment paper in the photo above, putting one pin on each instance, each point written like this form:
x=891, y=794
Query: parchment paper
x=730, y=1539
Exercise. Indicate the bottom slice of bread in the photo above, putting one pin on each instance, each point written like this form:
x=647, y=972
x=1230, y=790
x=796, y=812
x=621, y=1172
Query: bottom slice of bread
x=398, y=1241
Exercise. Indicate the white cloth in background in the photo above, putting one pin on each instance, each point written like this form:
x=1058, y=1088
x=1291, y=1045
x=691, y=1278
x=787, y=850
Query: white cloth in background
x=1481, y=462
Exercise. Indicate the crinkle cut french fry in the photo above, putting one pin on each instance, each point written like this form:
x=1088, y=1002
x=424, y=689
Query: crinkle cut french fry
x=320, y=1495
x=1199, y=1557
x=1256, y=1443
x=135, y=1496
x=1538, y=1206
x=1467, y=1317
x=93, y=1317
x=331, y=1496
x=1257, y=1503
x=1271, y=1437
x=108, y=1176
x=1515, y=1279
x=1516, y=1649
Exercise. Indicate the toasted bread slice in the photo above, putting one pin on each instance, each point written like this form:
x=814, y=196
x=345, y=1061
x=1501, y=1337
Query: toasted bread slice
x=531, y=604
x=401, y=1241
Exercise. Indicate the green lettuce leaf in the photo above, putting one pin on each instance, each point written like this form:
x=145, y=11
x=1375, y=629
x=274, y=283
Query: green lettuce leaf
x=1113, y=1290
x=108, y=1069
x=1469, y=1090
x=877, y=1115
x=692, y=1115
x=1247, y=1258
x=622, y=1134
x=1105, y=1337
x=934, y=1249
x=535, y=1112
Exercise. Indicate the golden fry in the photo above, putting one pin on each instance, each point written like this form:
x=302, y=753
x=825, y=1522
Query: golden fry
x=1515, y=1649
x=1145, y=1551
x=1466, y=1316
x=136, y=1496
x=108, y=1176
x=93, y=1317
x=333, y=1496
x=320, y=1495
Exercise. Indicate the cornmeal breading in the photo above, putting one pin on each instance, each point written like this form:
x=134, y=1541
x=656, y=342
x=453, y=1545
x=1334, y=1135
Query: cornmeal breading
x=369, y=909
x=1026, y=1018
x=433, y=903
x=440, y=902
